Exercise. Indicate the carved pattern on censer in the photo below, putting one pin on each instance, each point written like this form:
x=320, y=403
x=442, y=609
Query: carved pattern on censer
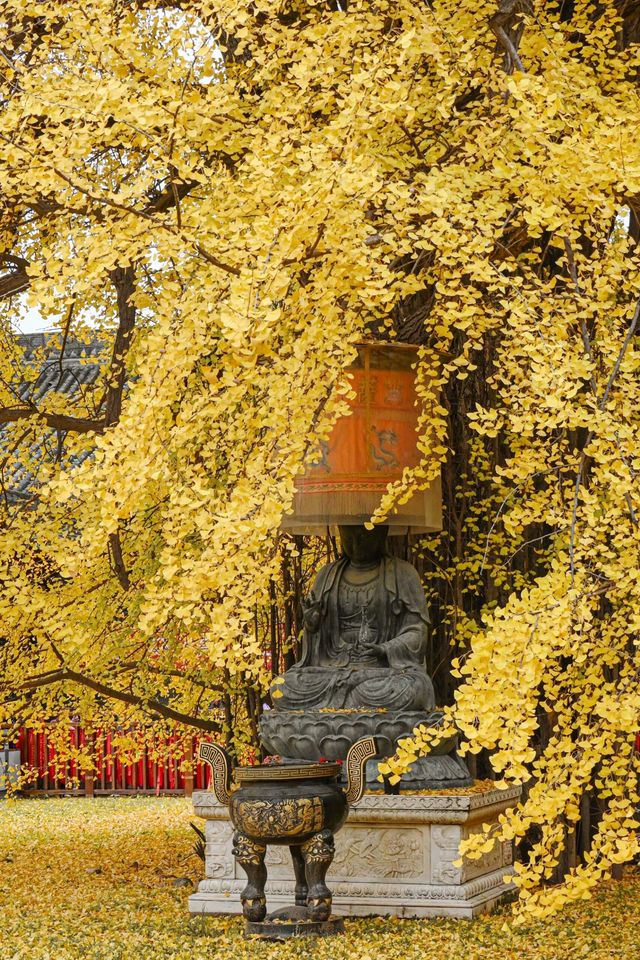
x=246, y=850
x=310, y=771
x=282, y=818
x=319, y=849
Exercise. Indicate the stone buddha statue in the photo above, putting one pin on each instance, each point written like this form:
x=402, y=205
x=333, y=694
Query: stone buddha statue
x=362, y=671
x=365, y=634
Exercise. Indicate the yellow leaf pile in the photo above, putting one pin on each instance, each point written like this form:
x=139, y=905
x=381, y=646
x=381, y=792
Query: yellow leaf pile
x=94, y=879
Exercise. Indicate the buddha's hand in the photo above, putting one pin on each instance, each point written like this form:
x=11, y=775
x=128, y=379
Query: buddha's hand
x=369, y=651
x=378, y=650
x=311, y=613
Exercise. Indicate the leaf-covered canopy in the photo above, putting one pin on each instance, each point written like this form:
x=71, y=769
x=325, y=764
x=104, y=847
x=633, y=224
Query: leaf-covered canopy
x=230, y=196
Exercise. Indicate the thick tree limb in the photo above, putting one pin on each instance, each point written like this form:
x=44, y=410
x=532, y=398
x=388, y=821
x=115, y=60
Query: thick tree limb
x=124, y=281
x=117, y=561
x=12, y=283
x=635, y=320
x=57, y=421
x=508, y=31
x=152, y=704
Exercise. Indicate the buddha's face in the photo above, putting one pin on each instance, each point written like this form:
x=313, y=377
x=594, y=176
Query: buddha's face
x=363, y=546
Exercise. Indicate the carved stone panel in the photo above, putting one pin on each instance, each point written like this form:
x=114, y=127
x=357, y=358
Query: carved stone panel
x=367, y=853
x=445, y=842
x=500, y=856
x=218, y=859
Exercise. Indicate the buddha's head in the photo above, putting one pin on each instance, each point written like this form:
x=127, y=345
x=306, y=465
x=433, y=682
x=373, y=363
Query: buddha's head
x=364, y=546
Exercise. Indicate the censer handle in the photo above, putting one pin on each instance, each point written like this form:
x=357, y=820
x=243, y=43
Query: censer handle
x=220, y=763
x=357, y=757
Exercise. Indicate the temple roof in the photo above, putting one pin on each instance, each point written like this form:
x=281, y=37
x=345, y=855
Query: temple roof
x=77, y=369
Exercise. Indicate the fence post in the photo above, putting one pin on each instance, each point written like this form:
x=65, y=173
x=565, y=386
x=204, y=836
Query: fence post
x=188, y=777
x=89, y=782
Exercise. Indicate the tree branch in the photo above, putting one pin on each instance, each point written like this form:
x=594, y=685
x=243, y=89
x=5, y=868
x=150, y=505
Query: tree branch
x=152, y=704
x=18, y=280
x=584, y=457
x=502, y=22
x=124, y=281
x=57, y=421
x=12, y=283
x=117, y=561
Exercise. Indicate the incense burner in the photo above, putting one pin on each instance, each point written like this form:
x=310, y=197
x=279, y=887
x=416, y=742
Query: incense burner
x=299, y=805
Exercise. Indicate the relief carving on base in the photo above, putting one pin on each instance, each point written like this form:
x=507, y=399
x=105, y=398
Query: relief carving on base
x=394, y=893
x=219, y=860
x=499, y=856
x=445, y=843
x=376, y=853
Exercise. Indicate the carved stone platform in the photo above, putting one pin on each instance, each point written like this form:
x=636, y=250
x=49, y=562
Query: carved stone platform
x=394, y=856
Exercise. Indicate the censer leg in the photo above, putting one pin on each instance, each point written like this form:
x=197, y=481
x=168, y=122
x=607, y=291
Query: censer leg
x=301, y=878
x=318, y=853
x=250, y=855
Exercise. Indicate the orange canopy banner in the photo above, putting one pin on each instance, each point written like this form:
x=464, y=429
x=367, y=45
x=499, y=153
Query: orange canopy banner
x=368, y=450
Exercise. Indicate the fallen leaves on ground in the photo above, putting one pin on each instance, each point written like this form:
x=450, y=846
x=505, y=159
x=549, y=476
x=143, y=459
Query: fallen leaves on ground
x=95, y=879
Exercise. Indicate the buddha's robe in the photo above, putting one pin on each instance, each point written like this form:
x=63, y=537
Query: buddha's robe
x=337, y=669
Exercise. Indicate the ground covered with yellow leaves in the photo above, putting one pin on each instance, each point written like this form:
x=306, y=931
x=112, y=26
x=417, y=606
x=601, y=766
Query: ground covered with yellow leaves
x=95, y=879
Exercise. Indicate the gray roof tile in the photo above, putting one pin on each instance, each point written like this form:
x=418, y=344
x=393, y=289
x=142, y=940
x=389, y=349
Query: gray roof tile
x=77, y=370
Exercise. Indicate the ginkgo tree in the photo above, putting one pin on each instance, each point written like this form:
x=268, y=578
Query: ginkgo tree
x=229, y=196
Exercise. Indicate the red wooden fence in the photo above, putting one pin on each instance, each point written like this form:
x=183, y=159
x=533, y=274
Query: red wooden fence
x=115, y=772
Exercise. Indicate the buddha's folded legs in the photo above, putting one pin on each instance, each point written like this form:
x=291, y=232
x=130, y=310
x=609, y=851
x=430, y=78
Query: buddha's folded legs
x=391, y=690
x=308, y=687
x=348, y=688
